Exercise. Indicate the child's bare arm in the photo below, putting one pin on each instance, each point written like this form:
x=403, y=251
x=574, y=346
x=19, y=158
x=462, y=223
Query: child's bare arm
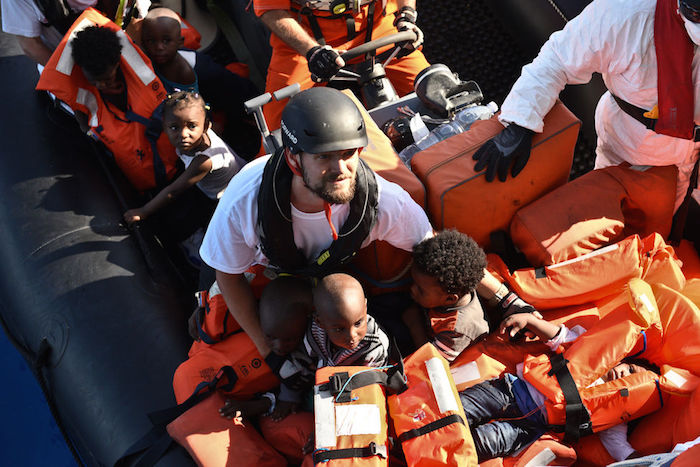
x=197, y=170
x=283, y=409
x=245, y=409
x=517, y=322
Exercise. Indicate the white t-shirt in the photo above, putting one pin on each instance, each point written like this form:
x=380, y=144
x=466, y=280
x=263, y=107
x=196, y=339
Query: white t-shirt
x=23, y=18
x=225, y=163
x=232, y=245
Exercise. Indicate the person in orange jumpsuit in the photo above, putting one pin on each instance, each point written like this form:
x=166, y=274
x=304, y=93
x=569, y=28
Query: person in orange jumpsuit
x=308, y=36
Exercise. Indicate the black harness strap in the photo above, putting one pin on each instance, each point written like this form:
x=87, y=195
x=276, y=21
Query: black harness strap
x=340, y=385
x=368, y=451
x=349, y=22
x=650, y=123
x=430, y=427
x=578, y=421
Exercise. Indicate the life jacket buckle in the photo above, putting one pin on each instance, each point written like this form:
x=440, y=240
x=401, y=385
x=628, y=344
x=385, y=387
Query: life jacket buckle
x=376, y=450
x=337, y=382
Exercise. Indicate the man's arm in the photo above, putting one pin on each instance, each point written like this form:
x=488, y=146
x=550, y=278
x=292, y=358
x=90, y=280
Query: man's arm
x=35, y=49
x=286, y=27
x=241, y=303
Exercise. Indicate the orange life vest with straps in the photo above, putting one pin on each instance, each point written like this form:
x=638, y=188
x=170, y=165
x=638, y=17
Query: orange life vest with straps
x=135, y=137
x=428, y=416
x=350, y=417
x=565, y=377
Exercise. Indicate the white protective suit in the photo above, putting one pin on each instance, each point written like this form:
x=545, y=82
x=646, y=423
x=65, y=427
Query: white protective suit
x=616, y=39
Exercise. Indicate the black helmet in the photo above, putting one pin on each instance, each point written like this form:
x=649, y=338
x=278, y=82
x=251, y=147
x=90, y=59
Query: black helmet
x=322, y=120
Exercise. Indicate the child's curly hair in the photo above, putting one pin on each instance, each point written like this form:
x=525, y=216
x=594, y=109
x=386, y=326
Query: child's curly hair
x=96, y=49
x=453, y=259
x=182, y=99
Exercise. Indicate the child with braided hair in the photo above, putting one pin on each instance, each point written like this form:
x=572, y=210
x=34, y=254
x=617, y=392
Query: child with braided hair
x=209, y=162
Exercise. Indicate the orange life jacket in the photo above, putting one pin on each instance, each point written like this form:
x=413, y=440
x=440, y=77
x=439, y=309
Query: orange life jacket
x=237, y=356
x=135, y=139
x=192, y=37
x=213, y=440
x=428, y=416
x=599, y=208
x=596, y=275
x=350, y=417
x=565, y=378
x=214, y=322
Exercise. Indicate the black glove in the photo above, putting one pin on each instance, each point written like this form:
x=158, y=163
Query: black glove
x=406, y=20
x=510, y=146
x=322, y=62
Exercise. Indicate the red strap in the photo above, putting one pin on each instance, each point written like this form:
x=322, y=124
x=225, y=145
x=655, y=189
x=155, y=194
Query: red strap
x=674, y=57
x=327, y=209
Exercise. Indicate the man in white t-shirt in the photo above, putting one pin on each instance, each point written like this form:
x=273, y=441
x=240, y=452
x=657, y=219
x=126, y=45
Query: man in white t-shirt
x=320, y=203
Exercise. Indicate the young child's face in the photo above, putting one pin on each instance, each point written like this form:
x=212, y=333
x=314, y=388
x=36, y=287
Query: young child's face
x=109, y=82
x=282, y=338
x=427, y=291
x=621, y=370
x=185, y=126
x=161, y=39
x=346, y=327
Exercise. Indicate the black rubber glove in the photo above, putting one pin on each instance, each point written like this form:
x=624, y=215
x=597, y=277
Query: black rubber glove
x=322, y=63
x=510, y=147
x=406, y=21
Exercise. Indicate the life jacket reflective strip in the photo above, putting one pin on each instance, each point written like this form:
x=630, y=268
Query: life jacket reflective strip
x=236, y=352
x=350, y=417
x=428, y=416
x=591, y=356
x=275, y=221
x=594, y=276
x=142, y=152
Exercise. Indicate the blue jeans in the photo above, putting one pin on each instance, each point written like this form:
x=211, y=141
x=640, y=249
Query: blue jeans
x=508, y=431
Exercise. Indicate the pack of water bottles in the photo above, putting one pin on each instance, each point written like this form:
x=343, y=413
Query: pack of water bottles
x=458, y=124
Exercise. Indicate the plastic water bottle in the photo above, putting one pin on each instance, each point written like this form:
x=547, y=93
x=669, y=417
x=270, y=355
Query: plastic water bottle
x=461, y=122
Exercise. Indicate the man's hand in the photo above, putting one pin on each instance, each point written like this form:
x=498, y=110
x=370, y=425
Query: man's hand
x=283, y=409
x=406, y=21
x=324, y=62
x=509, y=148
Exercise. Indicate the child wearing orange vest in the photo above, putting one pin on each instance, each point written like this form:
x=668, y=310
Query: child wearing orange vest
x=446, y=270
x=507, y=413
